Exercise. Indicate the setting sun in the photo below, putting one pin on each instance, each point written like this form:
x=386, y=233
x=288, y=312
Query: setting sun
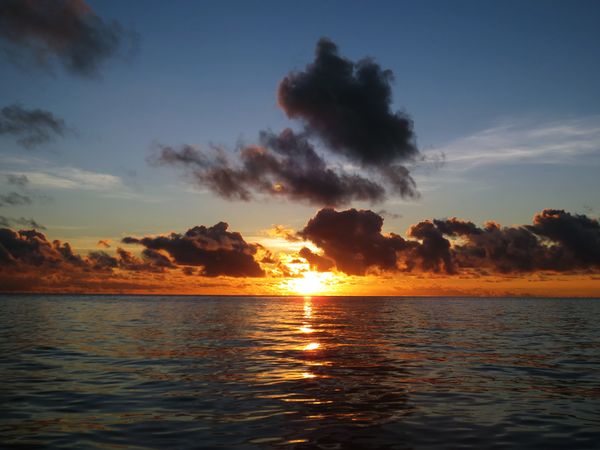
x=312, y=283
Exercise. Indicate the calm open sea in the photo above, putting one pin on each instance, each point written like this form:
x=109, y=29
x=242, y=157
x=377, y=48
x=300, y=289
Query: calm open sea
x=294, y=373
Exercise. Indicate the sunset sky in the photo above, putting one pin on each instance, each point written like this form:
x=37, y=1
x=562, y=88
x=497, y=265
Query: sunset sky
x=335, y=148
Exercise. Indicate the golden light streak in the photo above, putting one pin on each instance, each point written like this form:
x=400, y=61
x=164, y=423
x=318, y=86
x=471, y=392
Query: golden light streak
x=312, y=346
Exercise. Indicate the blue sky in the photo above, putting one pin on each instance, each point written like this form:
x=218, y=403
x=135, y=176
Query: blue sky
x=508, y=91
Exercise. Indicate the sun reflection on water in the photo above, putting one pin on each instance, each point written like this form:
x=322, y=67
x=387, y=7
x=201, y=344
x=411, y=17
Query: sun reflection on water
x=312, y=346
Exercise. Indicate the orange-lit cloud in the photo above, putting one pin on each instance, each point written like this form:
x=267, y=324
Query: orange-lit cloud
x=346, y=253
x=214, y=249
x=104, y=243
x=557, y=241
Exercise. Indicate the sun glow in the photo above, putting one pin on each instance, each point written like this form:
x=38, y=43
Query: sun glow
x=312, y=283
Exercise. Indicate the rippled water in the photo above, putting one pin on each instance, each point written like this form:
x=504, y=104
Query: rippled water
x=286, y=373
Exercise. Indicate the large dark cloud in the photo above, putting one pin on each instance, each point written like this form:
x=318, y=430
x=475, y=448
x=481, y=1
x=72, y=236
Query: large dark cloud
x=557, y=241
x=316, y=262
x=216, y=250
x=353, y=240
x=434, y=250
x=577, y=234
x=345, y=104
x=30, y=247
x=65, y=30
x=348, y=105
x=283, y=165
x=31, y=127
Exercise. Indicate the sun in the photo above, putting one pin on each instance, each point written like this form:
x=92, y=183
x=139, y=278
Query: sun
x=311, y=283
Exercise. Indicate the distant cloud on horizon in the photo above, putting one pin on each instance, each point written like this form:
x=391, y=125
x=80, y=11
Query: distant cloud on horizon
x=556, y=241
x=216, y=250
x=350, y=242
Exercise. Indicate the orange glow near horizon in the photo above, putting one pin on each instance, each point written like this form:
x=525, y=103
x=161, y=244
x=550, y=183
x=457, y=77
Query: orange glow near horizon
x=312, y=283
x=298, y=280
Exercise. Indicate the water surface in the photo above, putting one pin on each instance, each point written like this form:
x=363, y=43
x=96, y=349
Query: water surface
x=298, y=373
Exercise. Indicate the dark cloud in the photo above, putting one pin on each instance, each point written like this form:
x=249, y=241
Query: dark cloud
x=32, y=127
x=556, y=241
x=14, y=199
x=156, y=257
x=31, y=247
x=31, y=262
x=399, y=178
x=348, y=105
x=216, y=250
x=353, y=240
x=20, y=222
x=390, y=214
x=345, y=104
x=266, y=256
x=103, y=261
x=456, y=227
x=67, y=31
x=285, y=233
x=29, y=251
x=316, y=262
x=434, y=250
x=19, y=181
x=578, y=234
x=506, y=249
x=284, y=165
x=151, y=261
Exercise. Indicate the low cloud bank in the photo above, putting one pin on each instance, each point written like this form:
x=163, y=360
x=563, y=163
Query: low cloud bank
x=350, y=241
x=556, y=241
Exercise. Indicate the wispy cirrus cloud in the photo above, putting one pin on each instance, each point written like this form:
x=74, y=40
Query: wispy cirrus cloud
x=525, y=141
x=72, y=178
x=41, y=176
x=35, y=172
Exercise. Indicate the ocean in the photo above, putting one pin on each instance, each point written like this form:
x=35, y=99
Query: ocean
x=298, y=373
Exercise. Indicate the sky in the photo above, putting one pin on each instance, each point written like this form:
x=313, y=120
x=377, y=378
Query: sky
x=120, y=121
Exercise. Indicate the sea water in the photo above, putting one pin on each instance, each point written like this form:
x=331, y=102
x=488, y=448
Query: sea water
x=298, y=372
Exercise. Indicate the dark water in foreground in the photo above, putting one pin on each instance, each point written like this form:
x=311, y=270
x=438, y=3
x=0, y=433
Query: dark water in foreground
x=295, y=373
